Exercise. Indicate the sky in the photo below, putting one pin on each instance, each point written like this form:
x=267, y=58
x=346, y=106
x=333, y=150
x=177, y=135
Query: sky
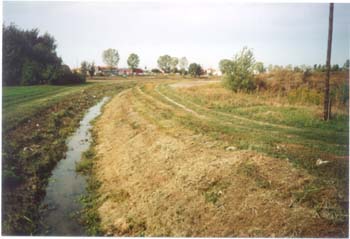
x=203, y=32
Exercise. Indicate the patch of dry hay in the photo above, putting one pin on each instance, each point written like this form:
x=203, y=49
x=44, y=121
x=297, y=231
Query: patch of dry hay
x=156, y=184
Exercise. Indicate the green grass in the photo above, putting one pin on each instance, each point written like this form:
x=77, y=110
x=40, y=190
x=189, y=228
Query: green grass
x=85, y=164
x=254, y=106
x=21, y=102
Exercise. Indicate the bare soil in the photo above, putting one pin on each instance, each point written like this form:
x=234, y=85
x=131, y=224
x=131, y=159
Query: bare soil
x=160, y=179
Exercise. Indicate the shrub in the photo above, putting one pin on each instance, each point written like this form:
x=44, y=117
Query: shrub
x=66, y=76
x=156, y=71
x=239, y=73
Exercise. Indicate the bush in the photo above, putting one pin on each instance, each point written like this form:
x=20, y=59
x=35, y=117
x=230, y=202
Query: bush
x=156, y=71
x=239, y=72
x=66, y=76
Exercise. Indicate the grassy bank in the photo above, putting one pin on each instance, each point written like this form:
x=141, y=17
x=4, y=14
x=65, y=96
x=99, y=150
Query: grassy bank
x=36, y=122
x=89, y=216
x=180, y=168
x=273, y=127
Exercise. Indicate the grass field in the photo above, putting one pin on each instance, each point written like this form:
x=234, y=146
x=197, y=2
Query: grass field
x=21, y=102
x=269, y=125
x=231, y=154
x=193, y=159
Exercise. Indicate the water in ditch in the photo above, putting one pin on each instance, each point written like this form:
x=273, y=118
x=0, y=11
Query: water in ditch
x=65, y=186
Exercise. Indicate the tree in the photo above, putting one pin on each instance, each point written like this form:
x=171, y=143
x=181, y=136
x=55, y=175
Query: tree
x=195, y=70
x=239, y=73
x=335, y=67
x=92, y=69
x=259, y=67
x=297, y=69
x=289, y=67
x=110, y=57
x=173, y=64
x=133, y=61
x=224, y=65
x=183, y=64
x=164, y=63
x=270, y=68
x=327, y=102
x=156, y=71
x=84, y=68
x=29, y=58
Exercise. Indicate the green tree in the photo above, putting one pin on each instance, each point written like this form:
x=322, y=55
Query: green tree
x=28, y=58
x=239, y=75
x=224, y=65
x=92, y=69
x=259, y=67
x=30, y=73
x=289, y=67
x=84, y=68
x=195, y=70
x=133, y=61
x=335, y=67
x=173, y=64
x=110, y=57
x=164, y=63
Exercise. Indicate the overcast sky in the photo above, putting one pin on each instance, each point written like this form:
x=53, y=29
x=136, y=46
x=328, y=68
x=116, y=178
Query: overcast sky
x=204, y=32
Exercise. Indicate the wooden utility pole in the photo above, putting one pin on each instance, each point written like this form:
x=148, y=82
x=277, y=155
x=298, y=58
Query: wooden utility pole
x=327, y=102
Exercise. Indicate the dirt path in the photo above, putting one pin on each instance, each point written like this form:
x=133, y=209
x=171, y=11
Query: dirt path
x=159, y=179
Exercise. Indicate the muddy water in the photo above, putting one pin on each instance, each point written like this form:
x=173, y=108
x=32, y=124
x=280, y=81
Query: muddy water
x=65, y=186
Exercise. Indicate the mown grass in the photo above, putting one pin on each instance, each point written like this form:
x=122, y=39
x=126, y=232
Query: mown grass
x=286, y=138
x=34, y=141
x=22, y=102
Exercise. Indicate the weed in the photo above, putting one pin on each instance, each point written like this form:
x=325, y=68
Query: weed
x=212, y=197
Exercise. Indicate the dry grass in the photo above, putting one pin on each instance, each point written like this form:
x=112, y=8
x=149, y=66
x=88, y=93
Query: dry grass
x=160, y=179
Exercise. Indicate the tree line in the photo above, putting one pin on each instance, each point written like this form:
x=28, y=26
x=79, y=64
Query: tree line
x=30, y=58
x=239, y=72
x=166, y=63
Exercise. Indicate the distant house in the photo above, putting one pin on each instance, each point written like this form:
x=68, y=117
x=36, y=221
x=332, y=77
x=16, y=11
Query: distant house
x=106, y=71
x=128, y=71
x=138, y=71
x=124, y=71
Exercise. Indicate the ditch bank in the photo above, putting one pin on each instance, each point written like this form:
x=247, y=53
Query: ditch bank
x=31, y=151
x=61, y=204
